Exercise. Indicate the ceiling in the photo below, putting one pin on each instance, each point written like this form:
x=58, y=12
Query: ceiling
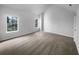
x=35, y=8
x=39, y=8
x=72, y=8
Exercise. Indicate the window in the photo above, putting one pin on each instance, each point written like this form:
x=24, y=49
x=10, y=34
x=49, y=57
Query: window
x=36, y=22
x=12, y=23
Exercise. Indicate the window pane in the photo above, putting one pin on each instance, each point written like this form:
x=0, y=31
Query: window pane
x=12, y=23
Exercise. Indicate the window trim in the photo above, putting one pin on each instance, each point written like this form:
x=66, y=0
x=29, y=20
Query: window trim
x=17, y=25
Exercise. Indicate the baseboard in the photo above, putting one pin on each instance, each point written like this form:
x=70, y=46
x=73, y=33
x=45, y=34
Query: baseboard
x=17, y=37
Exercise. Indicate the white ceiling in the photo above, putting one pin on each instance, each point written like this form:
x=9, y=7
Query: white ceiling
x=72, y=8
x=38, y=8
x=35, y=8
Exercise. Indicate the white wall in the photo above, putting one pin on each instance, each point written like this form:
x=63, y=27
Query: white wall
x=59, y=20
x=26, y=22
x=76, y=31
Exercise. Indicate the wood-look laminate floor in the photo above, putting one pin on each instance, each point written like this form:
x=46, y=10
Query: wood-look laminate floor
x=40, y=43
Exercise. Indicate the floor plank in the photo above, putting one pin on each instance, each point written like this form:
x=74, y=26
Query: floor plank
x=40, y=43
